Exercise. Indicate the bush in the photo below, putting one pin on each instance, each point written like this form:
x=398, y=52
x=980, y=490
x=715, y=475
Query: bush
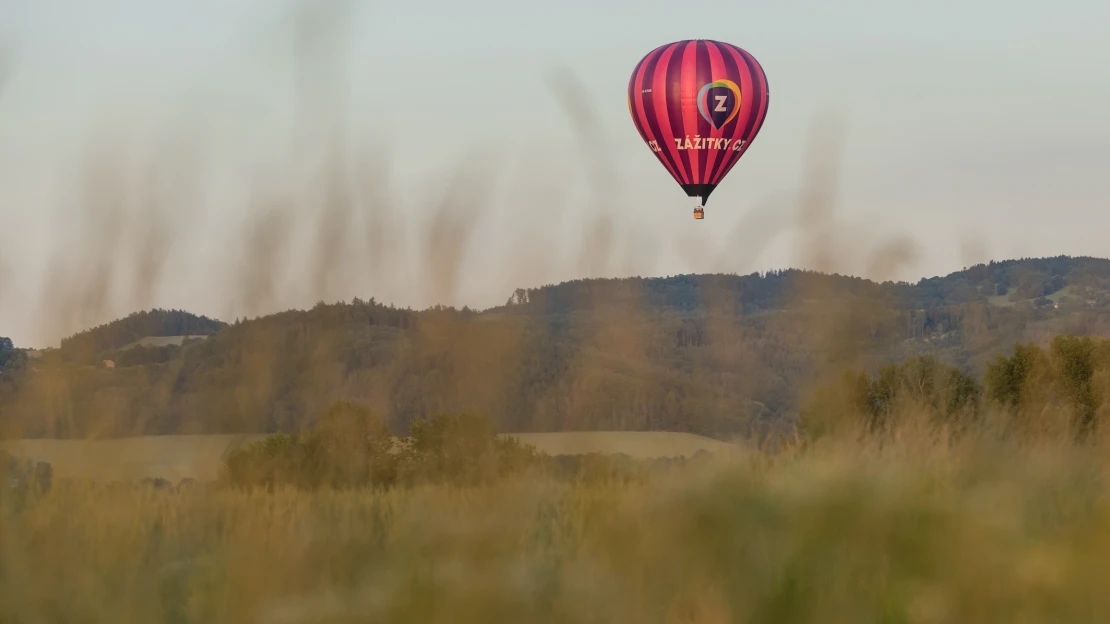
x=349, y=446
x=271, y=461
x=462, y=448
x=21, y=478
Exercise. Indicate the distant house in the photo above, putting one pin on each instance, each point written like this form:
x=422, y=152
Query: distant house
x=109, y=364
x=1091, y=302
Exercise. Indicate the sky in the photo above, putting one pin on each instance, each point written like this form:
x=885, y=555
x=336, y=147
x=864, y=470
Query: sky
x=194, y=155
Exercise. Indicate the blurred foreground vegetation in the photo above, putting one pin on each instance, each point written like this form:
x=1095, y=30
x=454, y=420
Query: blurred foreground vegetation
x=902, y=526
x=914, y=493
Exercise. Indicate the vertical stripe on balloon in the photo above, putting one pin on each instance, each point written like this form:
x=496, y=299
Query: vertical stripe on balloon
x=703, y=76
x=643, y=113
x=658, y=115
x=716, y=66
x=754, y=106
x=732, y=69
x=688, y=108
x=671, y=87
x=647, y=110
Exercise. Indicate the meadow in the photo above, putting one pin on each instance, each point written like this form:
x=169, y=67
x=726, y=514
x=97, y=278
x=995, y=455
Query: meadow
x=912, y=526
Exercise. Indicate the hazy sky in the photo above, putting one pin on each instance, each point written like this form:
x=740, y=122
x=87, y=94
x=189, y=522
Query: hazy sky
x=149, y=131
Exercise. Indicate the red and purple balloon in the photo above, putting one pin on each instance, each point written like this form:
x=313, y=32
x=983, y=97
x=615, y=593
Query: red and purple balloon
x=698, y=104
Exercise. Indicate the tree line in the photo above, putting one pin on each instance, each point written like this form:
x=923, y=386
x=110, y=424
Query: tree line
x=1032, y=390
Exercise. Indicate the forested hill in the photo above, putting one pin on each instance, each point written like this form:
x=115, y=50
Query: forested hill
x=998, y=283
x=714, y=354
x=90, y=343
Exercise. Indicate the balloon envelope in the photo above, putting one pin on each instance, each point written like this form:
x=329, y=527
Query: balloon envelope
x=698, y=104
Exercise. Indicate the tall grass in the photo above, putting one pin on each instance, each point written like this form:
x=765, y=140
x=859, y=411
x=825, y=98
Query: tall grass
x=919, y=528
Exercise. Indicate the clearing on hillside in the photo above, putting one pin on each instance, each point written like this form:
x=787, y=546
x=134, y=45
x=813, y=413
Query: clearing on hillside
x=161, y=341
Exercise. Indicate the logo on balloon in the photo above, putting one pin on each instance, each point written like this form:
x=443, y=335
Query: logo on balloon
x=719, y=102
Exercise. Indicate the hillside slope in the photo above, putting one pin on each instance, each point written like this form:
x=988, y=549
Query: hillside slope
x=717, y=355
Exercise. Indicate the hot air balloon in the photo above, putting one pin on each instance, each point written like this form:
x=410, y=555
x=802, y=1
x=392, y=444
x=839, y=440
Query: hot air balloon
x=698, y=104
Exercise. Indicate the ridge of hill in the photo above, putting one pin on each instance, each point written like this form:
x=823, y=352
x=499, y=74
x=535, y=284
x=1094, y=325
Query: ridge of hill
x=717, y=355
x=134, y=328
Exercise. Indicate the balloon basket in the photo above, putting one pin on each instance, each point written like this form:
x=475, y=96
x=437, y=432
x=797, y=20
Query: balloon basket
x=699, y=213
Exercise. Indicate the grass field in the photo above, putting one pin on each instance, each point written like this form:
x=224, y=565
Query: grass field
x=642, y=444
x=173, y=458
x=199, y=457
x=910, y=531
